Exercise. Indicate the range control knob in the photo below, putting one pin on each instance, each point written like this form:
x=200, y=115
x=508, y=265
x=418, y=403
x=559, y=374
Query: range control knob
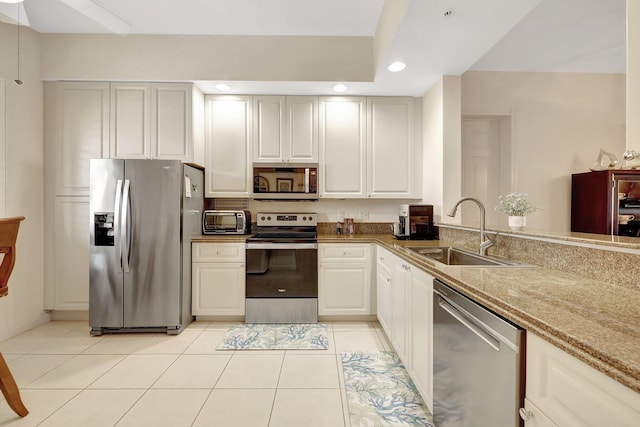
x=310, y=218
x=262, y=218
x=268, y=218
x=304, y=218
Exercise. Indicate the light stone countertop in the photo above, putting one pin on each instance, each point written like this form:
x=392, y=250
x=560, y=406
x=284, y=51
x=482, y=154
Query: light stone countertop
x=596, y=322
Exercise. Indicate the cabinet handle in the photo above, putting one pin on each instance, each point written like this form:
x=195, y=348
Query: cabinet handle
x=281, y=290
x=524, y=414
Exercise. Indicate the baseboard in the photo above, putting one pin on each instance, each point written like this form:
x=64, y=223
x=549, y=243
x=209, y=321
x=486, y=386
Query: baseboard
x=70, y=315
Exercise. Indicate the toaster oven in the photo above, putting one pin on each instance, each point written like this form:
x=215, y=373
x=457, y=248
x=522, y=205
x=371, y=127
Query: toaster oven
x=226, y=222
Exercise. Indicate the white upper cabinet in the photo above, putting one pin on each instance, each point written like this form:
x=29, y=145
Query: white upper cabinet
x=268, y=129
x=151, y=121
x=77, y=118
x=302, y=128
x=171, y=122
x=285, y=129
x=227, y=143
x=390, y=148
x=130, y=121
x=342, y=134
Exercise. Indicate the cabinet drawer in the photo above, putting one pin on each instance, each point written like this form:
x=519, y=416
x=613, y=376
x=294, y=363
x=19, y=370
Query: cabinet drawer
x=344, y=252
x=384, y=259
x=217, y=252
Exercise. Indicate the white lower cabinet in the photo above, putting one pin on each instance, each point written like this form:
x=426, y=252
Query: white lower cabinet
x=71, y=254
x=344, y=279
x=405, y=295
x=421, y=333
x=383, y=288
x=534, y=417
x=218, y=279
x=571, y=393
x=400, y=282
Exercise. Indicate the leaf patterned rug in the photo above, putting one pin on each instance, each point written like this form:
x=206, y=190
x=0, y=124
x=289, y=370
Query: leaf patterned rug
x=260, y=336
x=380, y=392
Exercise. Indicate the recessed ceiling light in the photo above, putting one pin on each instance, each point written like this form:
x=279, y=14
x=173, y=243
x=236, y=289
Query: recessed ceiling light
x=397, y=66
x=223, y=87
x=340, y=88
x=11, y=1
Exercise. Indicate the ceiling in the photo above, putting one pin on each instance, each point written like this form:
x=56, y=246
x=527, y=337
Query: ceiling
x=490, y=35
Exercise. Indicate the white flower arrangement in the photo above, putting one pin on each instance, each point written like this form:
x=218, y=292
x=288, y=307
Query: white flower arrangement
x=515, y=204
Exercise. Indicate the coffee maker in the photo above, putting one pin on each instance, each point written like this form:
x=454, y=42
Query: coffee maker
x=420, y=218
x=401, y=229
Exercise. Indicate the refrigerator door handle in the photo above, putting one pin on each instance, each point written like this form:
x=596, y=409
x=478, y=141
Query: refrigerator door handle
x=117, y=226
x=126, y=226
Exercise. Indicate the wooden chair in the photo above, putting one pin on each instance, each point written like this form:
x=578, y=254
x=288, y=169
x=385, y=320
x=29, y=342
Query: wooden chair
x=8, y=236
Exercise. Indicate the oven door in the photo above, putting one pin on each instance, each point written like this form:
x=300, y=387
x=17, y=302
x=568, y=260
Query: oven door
x=282, y=270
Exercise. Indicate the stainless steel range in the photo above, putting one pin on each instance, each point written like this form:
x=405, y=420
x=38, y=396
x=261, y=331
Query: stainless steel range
x=282, y=269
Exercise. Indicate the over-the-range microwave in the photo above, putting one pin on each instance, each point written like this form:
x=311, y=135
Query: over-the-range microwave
x=285, y=182
x=226, y=222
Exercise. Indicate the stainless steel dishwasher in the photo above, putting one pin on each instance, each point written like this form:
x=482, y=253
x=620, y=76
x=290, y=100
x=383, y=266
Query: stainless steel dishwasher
x=478, y=364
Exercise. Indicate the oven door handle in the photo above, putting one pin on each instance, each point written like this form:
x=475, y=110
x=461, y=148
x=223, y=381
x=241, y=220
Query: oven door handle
x=270, y=245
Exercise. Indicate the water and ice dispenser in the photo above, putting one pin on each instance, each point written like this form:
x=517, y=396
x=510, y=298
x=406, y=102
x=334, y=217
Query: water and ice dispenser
x=103, y=228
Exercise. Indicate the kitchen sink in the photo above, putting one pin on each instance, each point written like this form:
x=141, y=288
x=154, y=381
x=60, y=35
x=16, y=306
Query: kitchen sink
x=454, y=256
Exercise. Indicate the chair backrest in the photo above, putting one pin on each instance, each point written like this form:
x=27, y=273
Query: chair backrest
x=8, y=236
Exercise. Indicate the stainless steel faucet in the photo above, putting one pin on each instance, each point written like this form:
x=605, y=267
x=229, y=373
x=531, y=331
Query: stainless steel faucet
x=485, y=242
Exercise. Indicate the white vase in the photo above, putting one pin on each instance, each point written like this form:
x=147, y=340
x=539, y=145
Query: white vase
x=517, y=222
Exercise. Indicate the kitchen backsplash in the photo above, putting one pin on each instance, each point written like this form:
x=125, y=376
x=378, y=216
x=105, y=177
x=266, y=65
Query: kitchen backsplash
x=608, y=266
x=360, y=227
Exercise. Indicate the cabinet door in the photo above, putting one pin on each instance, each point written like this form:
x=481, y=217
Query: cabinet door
x=268, y=129
x=71, y=258
x=535, y=417
x=344, y=289
x=400, y=309
x=571, y=393
x=171, y=122
x=130, y=121
x=80, y=120
x=421, y=332
x=390, y=148
x=384, y=307
x=227, y=142
x=342, y=147
x=218, y=289
x=302, y=129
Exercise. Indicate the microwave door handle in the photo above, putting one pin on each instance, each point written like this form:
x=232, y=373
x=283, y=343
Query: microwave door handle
x=126, y=225
x=117, y=226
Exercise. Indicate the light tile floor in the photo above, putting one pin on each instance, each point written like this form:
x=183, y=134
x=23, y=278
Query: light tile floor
x=69, y=378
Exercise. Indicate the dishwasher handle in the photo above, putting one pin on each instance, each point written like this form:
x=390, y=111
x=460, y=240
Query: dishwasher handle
x=462, y=318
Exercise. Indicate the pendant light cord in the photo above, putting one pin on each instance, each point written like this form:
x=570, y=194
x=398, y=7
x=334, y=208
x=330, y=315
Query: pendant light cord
x=18, y=81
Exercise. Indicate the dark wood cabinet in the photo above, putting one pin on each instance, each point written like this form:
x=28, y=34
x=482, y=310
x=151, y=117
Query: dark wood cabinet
x=606, y=202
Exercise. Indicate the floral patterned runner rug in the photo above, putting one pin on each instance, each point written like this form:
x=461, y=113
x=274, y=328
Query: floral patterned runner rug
x=380, y=392
x=260, y=336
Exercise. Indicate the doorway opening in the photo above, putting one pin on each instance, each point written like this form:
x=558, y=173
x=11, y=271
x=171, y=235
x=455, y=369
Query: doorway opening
x=486, y=166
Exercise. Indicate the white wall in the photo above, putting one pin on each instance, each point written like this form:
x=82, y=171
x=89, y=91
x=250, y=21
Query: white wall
x=559, y=123
x=188, y=58
x=442, y=164
x=22, y=308
x=633, y=76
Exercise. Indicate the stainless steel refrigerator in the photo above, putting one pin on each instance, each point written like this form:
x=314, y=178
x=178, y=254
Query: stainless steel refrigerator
x=143, y=216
